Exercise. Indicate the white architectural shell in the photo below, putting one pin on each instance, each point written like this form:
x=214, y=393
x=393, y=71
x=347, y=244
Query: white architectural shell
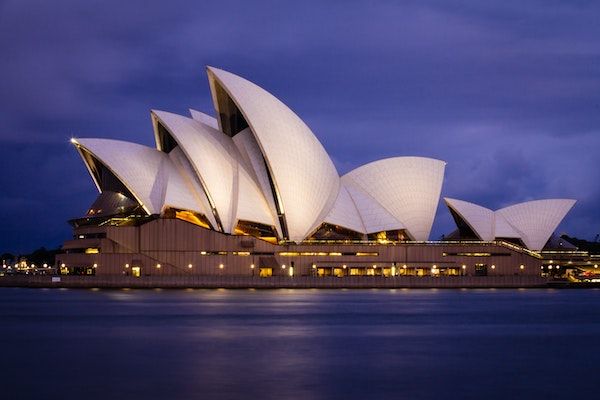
x=344, y=213
x=205, y=119
x=479, y=219
x=275, y=165
x=533, y=222
x=407, y=187
x=231, y=189
x=304, y=176
x=536, y=220
x=150, y=175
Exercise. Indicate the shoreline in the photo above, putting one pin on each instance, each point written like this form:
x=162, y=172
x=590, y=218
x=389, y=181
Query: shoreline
x=245, y=282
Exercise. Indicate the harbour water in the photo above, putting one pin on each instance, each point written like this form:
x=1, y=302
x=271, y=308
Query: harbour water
x=299, y=344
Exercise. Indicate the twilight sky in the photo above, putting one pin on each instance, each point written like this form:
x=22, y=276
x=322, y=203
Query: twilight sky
x=507, y=92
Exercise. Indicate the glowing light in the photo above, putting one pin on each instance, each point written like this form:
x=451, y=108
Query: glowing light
x=62, y=265
x=252, y=266
x=45, y=265
x=190, y=266
x=493, y=267
x=221, y=266
x=522, y=266
x=595, y=265
x=95, y=265
x=404, y=266
x=344, y=266
x=464, y=266
x=73, y=140
x=291, y=271
x=283, y=266
x=158, y=266
x=374, y=266
x=126, y=265
x=314, y=266
x=549, y=266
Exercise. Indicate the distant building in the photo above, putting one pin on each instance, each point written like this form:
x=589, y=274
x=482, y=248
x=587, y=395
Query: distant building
x=253, y=192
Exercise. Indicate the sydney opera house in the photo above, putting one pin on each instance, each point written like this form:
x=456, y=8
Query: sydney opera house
x=252, y=192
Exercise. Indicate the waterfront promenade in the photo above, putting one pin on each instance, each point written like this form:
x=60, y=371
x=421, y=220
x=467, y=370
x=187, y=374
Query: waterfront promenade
x=233, y=282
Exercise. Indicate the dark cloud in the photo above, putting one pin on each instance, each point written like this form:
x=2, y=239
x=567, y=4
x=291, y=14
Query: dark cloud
x=508, y=93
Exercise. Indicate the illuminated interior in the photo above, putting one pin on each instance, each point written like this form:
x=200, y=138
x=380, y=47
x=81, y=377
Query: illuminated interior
x=391, y=236
x=334, y=232
x=188, y=216
x=258, y=230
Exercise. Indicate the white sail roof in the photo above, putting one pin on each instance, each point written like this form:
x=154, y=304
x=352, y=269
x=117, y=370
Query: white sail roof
x=253, y=158
x=533, y=222
x=537, y=220
x=305, y=179
x=205, y=119
x=502, y=229
x=210, y=153
x=407, y=187
x=150, y=175
x=183, y=191
x=344, y=213
x=479, y=219
x=267, y=166
x=375, y=218
x=230, y=187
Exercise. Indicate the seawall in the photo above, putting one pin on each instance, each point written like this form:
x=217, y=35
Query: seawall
x=235, y=282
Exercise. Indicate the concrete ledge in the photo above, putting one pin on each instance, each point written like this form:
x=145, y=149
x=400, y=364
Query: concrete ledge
x=234, y=282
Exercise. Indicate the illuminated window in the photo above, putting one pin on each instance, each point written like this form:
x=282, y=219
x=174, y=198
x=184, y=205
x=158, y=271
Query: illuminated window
x=264, y=272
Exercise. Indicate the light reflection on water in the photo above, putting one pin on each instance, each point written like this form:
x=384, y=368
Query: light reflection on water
x=298, y=344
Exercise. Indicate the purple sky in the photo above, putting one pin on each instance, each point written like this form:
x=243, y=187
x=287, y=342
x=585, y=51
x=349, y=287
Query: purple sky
x=507, y=94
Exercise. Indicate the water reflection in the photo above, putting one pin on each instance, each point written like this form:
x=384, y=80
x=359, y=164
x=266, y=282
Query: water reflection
x=304, y=344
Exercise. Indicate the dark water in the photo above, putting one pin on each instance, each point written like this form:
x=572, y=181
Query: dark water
x=299, y=344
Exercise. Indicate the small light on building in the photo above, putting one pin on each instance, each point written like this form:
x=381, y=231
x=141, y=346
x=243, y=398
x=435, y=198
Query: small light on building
x=45, y=265
x=558, y=267
x=95, y=265
x=549, y=266
x=314, y=266
x=126, y=265
x=344, y=266
x=220, y=266
x=252, y=266
x=464, y=266
x=493, y=267
x=521, y=266
x=434, y=266
x=404, y=266
x=374, y=266
x=595, y=265
x=190, y=266
x=283, y=266
x=157, y=265
x=62, y=265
